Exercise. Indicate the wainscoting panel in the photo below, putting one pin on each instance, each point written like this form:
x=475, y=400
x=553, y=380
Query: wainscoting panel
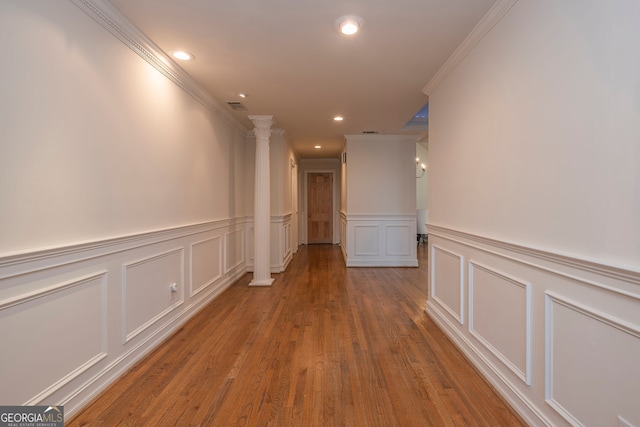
x=499, y=316
x=343, y=235
x=37, y=327
x=397, y=238
x=592, y=364
x=206, y=263
x=447, y=279
x=235, y=249
x=146, y=291
x=74, y=318
x=280, y=244
x=366, y=240
x=287, y=241
x=557, y=336
x=378, y=241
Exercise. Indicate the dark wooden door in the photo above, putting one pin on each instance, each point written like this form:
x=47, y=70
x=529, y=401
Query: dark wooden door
x=320, y=208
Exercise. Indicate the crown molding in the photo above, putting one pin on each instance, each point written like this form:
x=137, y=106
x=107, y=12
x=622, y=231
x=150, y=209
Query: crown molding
x=488, y=21
x=114, y=21
x=381, y=137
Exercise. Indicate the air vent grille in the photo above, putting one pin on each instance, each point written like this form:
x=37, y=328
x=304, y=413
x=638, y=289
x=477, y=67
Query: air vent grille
x=237, y=106
x=369, y=132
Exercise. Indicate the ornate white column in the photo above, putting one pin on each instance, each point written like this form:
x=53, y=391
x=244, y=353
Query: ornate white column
x=262, y=203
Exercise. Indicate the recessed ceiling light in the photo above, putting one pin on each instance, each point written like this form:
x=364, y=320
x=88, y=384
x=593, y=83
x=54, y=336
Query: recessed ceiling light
x=182, y=55
x=338, y=118
x=242, y=95
x=349, y=25
x=318, y=146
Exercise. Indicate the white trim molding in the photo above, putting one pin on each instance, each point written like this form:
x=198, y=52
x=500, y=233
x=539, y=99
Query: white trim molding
x=492, y=17
x=543, y=327
x=521, y=337
x=281, y=253
x=378, y=240
x=281, y=249
x=91, y=290
x=603, y=333
x=109, y=17
x=546, y=259
x=115, y=296
x=154, y=271
x=213, y=262
x=450, y=284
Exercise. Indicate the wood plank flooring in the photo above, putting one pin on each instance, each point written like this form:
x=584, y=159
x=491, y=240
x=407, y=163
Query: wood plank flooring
x=324, y=346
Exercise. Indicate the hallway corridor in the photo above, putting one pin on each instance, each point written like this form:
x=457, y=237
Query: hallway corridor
x=325, y=345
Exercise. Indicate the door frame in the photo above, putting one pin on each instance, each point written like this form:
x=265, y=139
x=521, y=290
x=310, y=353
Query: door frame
x=303, y=223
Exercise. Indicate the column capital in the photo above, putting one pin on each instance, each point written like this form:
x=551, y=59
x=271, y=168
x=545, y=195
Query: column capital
x=261, y=122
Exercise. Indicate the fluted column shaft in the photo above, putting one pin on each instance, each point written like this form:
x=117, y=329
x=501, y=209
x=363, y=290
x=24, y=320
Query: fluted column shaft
x=262, y=203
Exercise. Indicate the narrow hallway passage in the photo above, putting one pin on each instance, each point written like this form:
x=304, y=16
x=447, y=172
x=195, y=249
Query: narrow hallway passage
x=325, y=345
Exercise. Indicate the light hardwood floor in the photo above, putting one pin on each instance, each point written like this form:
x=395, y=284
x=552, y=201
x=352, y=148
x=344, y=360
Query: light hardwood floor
x=324, y=346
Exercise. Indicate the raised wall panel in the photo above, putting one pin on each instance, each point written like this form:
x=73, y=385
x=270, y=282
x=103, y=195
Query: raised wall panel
x=447, y=286
x=592, y=362
x=62, y=308
x=366, y=240
x=146, y=292
x=206, y=263
x=281, y=253
x=379, y=240
x=398, y=237
x=287, y=239
x=50, y=337
x=250, y=248
x=343, y=236
x=234, y=249
x=499, y=316
x=582, y=329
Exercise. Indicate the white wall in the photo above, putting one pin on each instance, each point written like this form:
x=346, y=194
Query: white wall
x=96, y=142
x=378, y=218
x=550, y=100
x=115, y=183
x=284, y=226
x=280, y=156
x=534, y=208
x=422, y=193
x=381, y=174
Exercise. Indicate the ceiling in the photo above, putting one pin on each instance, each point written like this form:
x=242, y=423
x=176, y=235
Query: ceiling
x=290, y=59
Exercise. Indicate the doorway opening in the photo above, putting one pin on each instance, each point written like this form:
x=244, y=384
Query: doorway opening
x=320, y=207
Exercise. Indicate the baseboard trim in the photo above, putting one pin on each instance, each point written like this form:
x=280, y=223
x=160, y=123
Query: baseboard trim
x=517, y=401
x=381, y=263
x=118, y=367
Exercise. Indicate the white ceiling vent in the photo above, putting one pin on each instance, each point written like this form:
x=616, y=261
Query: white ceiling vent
x=237, y=106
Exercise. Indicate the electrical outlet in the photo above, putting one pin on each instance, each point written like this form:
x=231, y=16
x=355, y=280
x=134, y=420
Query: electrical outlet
x=624, y=423
x=174, y=288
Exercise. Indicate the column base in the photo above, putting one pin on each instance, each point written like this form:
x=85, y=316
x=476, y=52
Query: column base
x=263, y=282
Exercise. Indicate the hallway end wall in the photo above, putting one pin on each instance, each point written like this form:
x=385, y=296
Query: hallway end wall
x=378, y=217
